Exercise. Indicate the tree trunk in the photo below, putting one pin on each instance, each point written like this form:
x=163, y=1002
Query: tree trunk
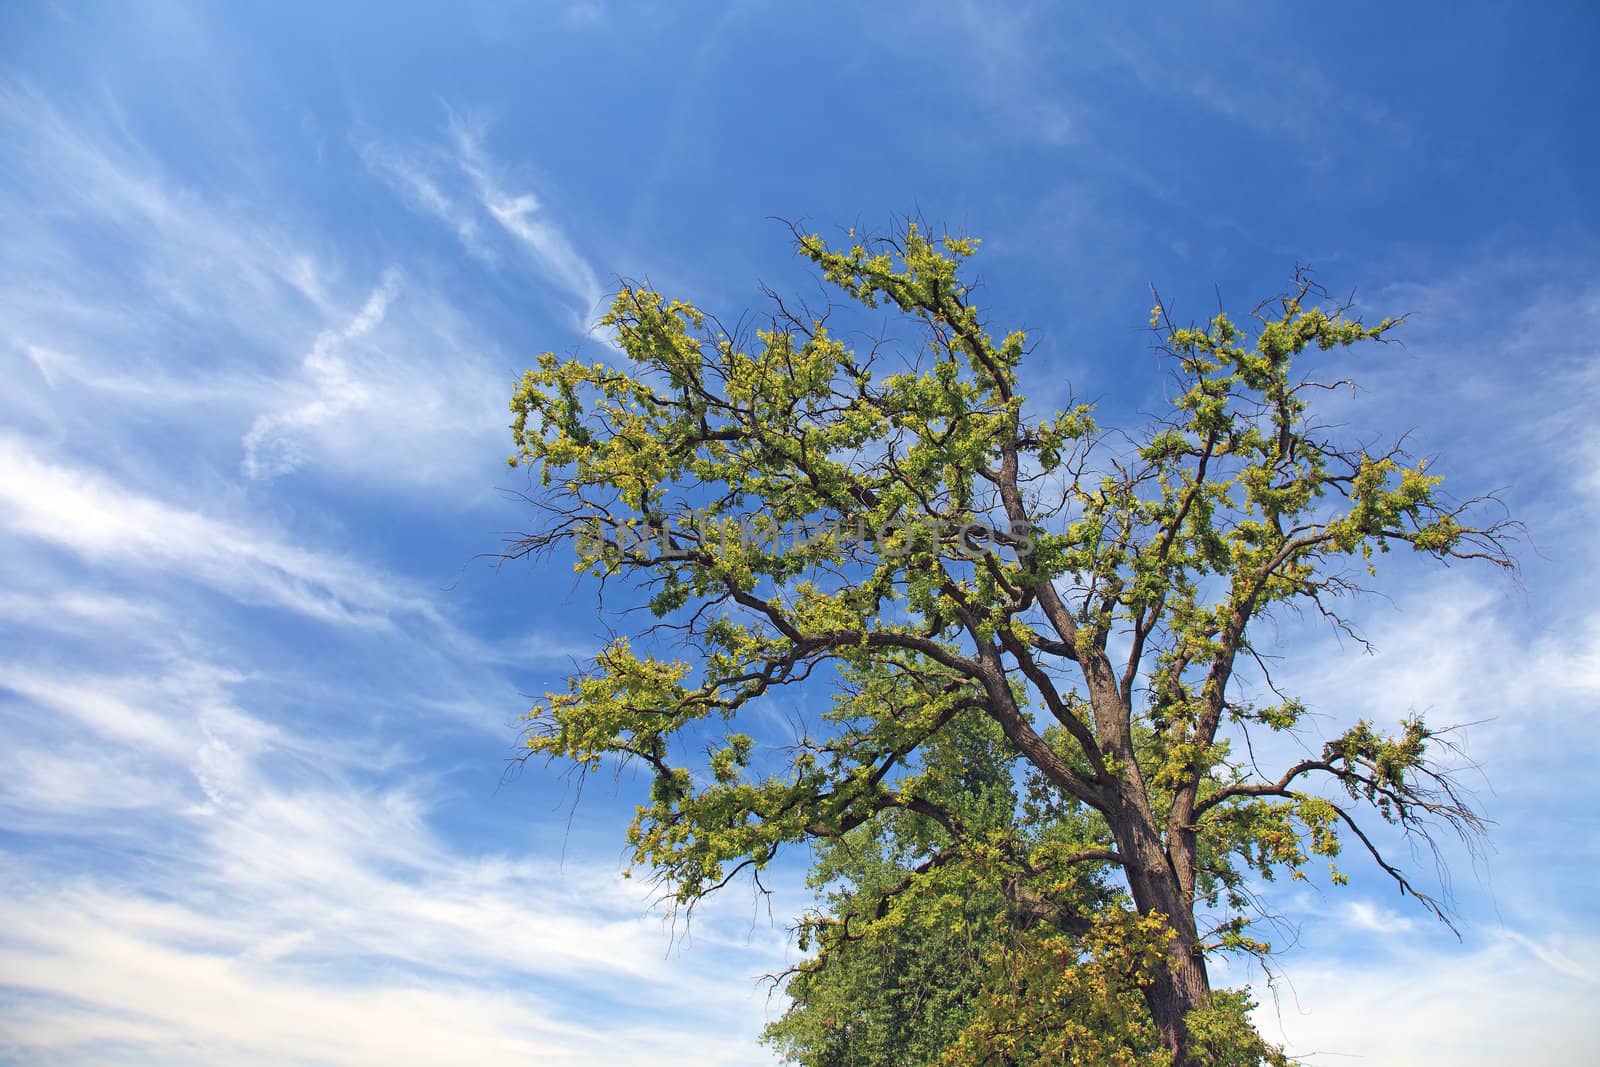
x=1182, y=984
x=1178, y=988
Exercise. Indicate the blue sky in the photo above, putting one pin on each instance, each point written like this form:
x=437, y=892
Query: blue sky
x=268, y=274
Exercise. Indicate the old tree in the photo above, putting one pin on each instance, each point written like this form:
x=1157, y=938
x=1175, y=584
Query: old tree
x=1030, y=638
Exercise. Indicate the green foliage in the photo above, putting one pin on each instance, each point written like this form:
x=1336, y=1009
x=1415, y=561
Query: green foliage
x=956, y=970
x=1223, y=1035
x=971, y=559
x=1048, y=997
x=906, y=948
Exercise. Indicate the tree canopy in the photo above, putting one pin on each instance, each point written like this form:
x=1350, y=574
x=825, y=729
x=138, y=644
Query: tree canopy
x=965, y=580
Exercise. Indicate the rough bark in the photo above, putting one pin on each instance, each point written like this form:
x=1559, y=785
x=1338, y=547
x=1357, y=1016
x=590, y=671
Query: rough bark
x=1182, y=984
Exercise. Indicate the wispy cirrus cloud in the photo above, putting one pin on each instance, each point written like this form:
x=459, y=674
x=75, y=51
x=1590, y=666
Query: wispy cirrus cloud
x=423, y=192
x=236, y=326
x=106, y=523
x=274, y=446
x=1365, y=915
x=323, y=896
x=263, y=848
x=235, y=746
x=460, y=184
x=1493, y=1002
x=264, y=877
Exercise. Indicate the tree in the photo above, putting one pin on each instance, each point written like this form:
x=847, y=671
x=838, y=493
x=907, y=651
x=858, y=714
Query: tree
x=970, y=964
x=971, y=967
x=900, y=986
x=933, y=968
x=925, y=548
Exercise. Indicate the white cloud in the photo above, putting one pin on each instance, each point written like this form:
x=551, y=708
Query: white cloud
x=521, y=215
x=226, y=321
x=273, y=446
x=108, y=974
x=1558, y=960
x=403, y=394
x=1365, y=915
x=55, y=786
x=217, y=264
x=461, y=185
x=71, y=609
x=100, y=709
x=423, y=193
x=257, y=888
x=105, y=522
x=1493, y=1004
